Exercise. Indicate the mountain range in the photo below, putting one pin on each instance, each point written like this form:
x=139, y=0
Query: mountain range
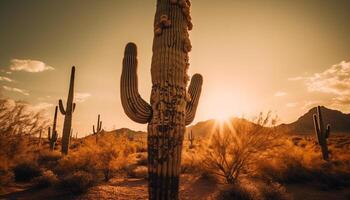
x=340, y=123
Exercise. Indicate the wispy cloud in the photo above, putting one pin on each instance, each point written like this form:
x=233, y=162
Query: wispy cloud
x=13, y=89
x=280, y=94
x=43, y=105
x=335, y=81
x=4, y=78
x=81, y=97
x=29, y=65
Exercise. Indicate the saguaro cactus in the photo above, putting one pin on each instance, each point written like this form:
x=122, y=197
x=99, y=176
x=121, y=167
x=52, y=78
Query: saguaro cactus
x=191, y=139
x=322, y=134
x=171, y=107
x=53, y=137
x=68, y=113
x=98, y=127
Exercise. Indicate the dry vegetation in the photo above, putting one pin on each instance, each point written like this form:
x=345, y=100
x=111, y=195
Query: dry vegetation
x=245, y=161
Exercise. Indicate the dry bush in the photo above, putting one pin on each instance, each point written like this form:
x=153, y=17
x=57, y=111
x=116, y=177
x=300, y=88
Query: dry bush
x=273, y=191
x=303, y=164
x=234, y=149
x=26, y=171
x=78, y=182
x=235, y=191
x=103, y=159
x=6, y=175
x=47, y=179
x=49, y=159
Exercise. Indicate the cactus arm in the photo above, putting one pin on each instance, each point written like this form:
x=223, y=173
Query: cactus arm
x=49, y=134
x=60, y=103
x=194, y=91
x=100, y=125
x=134, y=106
x=93, y=129
x=317, y=129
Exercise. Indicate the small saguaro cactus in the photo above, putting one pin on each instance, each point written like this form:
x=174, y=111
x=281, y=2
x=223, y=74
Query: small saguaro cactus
x=52, y=137
x=98, y=127
x=172, y=106
x=322, y=133
x=68, y=113
x=191, y=139
x=39, y=142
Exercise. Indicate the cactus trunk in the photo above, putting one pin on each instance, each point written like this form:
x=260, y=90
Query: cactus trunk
x=322, y=134
x=53, y=137
x=68, y=113
x=98, y=128
x=172, y=106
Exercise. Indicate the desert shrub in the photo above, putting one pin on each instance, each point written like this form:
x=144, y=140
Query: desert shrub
x=102, y=159
x=235, y=191
x=232, y=150
x=47, y=179
x=6, y=175
x=26, y=171
x=112, y=156
x=142, y=159
x=48, y=158
x=191, y=161
x=273, y=191
x=78, y=182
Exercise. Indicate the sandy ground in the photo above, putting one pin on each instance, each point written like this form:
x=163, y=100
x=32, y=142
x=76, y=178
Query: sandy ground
x=192, y=188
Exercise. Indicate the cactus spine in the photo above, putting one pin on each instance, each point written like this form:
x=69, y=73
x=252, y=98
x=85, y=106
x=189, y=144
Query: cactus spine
x=171, y=107
x=191, y=139
x=322, y=134
x=98, y=127
x=68, y=113
x=53, y=137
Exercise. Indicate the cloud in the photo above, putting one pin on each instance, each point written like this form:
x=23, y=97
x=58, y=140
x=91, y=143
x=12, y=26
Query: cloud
x=29, y=65
x=291, y=104
x=280, y=94
x=43, y=105
x=81, y=97
x=4, y=78
x=334, y=81
x=12, y=89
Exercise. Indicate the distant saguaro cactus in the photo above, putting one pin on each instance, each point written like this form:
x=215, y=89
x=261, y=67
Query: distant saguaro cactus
x=68, y=113
x=52, y=137
x=98, y=127
x=191, y=139
x=171, y=107
x=322, y=134
x=39, y=142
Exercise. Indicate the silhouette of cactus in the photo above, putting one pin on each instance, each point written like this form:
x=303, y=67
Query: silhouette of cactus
x=322, y=134
x=52, y=137
x=171, y=107
x=191, y=139
x=68, y=113
x=98, y=127
x=39, y=142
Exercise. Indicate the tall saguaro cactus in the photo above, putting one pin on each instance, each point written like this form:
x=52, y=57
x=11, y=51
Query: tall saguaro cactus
x=171, y=107
x=98, y=127
x=191, y=139
x=322, y=133
x=68, y=113
x=52, y=137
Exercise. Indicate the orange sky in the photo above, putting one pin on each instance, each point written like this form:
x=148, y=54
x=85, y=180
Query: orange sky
x=284, y=56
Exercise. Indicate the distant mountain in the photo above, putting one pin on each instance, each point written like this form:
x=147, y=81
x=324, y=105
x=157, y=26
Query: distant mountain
x=340, y=122
x=206, y=128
